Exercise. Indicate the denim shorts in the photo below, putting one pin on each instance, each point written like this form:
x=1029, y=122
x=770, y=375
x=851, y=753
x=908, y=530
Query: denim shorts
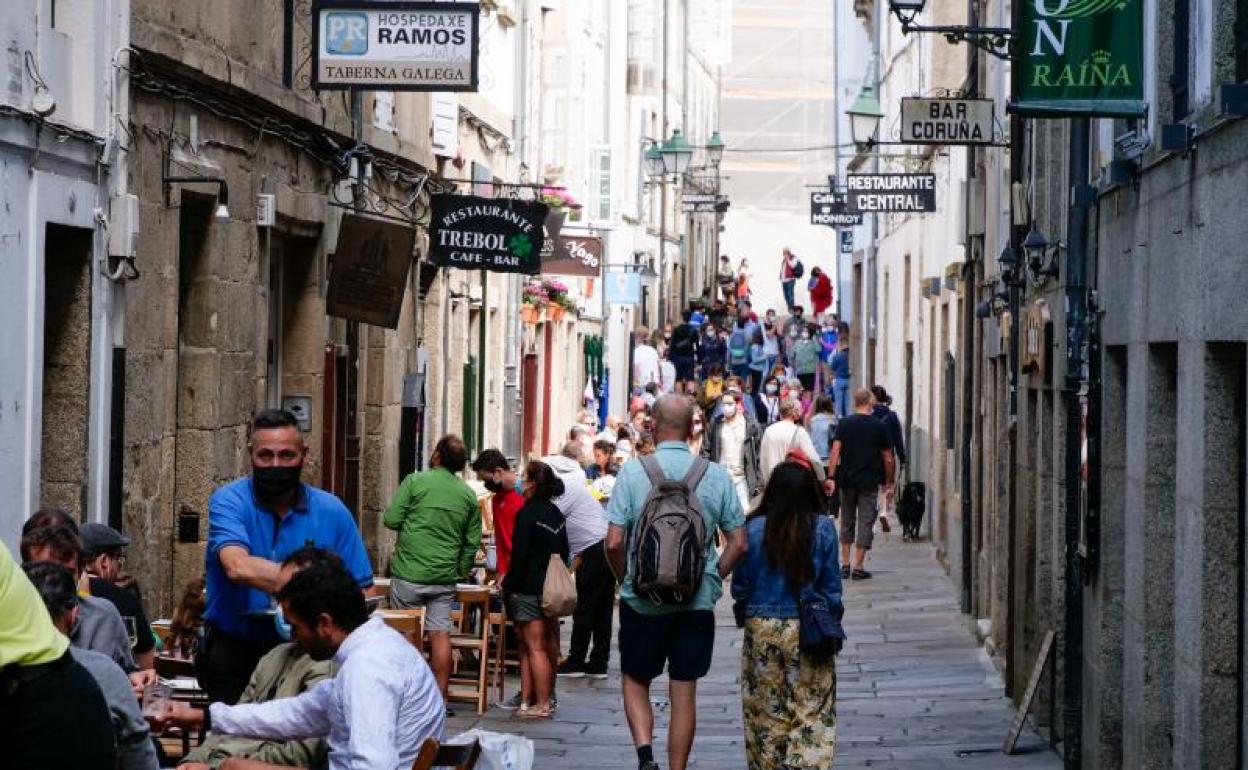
x=525, y=608
x=436, y=600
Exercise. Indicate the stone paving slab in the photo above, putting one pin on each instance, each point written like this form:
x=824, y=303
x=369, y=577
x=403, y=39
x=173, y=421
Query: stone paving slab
x=915, y=692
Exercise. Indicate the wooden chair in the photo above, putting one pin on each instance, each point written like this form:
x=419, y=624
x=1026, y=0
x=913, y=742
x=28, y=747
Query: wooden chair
x=433, y=755
x=410, y=623
x=473, y=636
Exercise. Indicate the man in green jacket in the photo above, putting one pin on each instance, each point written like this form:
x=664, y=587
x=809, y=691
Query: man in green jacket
x=439, y=526
x=284, y=672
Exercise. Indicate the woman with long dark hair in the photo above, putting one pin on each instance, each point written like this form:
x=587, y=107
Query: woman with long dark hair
x=539, y=532
x=788, y=696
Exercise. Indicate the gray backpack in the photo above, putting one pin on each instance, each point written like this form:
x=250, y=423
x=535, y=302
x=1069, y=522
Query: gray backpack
x=669, y=542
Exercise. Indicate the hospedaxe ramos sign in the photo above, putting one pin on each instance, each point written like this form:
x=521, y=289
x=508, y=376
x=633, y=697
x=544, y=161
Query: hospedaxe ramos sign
x=392, y=45
x=496, y=234
x=1079, y=58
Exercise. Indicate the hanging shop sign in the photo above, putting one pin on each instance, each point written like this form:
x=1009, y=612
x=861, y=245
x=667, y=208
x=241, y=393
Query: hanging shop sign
x=395, y=46
x=702, y=204
x=495, y=234
x=1079, y=57
x=885, y=193
x=623, y=287
x=946, y=121
x=572, y=255
x=829, y=208
x=368, y=271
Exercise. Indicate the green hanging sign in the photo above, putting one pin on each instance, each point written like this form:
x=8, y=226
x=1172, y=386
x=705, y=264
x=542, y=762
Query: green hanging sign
x=1079, y=58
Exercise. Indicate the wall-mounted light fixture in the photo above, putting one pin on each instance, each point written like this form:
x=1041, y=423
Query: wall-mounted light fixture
x=1037, y=249
x=223, y=191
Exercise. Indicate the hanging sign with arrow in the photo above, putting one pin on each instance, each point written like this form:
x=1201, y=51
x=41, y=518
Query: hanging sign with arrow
x=829, y=209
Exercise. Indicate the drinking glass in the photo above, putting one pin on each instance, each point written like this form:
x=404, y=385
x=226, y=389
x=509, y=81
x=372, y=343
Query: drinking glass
x=157, y=698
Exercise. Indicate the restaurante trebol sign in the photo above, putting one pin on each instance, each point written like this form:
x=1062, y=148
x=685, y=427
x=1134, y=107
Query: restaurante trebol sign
x=1079, y=57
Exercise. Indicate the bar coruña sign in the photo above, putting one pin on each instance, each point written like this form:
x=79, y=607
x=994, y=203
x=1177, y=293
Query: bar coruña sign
x=499, y=235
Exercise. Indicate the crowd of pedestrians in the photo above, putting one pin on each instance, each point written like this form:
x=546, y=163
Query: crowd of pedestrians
x=741, y=436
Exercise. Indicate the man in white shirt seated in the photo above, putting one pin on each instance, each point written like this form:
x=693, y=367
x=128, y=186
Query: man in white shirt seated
x=381, y=706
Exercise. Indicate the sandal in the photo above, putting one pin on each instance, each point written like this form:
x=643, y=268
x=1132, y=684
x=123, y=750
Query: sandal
x=534, y=713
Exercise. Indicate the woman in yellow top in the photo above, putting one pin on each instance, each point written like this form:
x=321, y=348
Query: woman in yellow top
x=44, y=688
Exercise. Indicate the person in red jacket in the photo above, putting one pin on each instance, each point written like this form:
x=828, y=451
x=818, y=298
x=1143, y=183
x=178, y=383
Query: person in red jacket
x=820, y=288
x=495, y=472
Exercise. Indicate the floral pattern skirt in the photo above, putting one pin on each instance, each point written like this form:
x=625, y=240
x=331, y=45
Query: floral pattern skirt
x=788, y=699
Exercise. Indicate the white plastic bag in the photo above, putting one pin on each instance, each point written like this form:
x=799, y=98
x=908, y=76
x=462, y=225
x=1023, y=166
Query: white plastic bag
x=499, y=751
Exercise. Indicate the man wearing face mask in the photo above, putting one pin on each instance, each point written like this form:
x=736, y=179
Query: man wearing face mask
x=733, y=441
x=792, y=330
x=492, y=467
x=253, y=524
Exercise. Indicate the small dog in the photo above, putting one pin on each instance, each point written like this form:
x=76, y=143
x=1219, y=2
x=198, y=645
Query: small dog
x=910, y=508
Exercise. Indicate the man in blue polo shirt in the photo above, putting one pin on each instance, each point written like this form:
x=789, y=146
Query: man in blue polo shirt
x=253, y=524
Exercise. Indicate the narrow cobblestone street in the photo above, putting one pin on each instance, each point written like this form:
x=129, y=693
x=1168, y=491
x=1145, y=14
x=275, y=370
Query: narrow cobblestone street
x=914, y=691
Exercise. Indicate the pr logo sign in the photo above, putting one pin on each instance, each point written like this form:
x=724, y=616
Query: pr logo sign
x=346, y=34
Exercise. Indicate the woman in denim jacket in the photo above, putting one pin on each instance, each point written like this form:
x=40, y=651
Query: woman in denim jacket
x=788, y=698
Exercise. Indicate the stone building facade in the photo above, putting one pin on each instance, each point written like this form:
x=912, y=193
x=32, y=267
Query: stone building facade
x=1158, y=415
x=61, y=173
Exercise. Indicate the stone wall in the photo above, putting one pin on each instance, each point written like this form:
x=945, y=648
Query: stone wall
x=1172, y=279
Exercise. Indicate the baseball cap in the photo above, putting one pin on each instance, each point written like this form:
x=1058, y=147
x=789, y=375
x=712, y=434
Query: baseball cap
x=98, y=538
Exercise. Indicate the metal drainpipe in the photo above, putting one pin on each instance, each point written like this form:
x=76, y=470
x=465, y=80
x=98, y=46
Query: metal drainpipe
x=1076, y=326
x=1017, y=151
x=968, y=333
x=482, y=321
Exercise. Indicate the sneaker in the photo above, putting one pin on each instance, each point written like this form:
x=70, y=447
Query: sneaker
x=845, y=572
x=511, y=704
x=596, y=672
x=861, y=574
x=571, y=669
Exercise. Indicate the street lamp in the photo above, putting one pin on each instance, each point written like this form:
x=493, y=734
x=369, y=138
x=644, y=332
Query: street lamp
x=906, y=10
x=677, y=153
x=654, y=160
x=865, y=115
x=1036, y=247
x=994, y=40
x=715, y=149
x=1009, y=263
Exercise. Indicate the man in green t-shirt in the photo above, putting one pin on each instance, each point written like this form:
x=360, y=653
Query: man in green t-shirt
x=439, y=526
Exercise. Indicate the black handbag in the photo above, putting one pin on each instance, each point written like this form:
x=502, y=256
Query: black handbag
x=819, y=625
x=820, y=634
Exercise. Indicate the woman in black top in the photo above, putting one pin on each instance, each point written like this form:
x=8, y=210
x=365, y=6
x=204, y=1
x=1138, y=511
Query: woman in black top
x=540, y=531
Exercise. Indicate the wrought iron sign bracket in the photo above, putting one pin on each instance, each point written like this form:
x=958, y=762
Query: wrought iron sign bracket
x=994, y=40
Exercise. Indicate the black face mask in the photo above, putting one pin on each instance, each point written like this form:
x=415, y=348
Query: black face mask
x=493, y=486
x=275, y=482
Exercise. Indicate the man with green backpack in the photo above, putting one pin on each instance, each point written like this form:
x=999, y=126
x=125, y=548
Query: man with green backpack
x=663, y=515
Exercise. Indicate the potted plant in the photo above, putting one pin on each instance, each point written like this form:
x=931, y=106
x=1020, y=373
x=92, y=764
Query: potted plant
x=556, y=296
x=532, y=299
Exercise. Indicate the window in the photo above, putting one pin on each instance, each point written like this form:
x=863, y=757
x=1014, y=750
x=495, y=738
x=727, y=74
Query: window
x=1179, y=92
x=600, y=201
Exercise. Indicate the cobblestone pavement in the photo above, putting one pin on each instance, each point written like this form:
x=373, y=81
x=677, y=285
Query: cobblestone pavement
x=915, y=692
